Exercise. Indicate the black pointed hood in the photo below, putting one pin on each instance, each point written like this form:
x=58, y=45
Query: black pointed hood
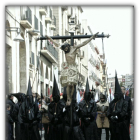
x=55, y=91
x=29, y=96
x=92, y=93
x=65, y=94
x=87, y=91
x=29, y=91
x=118, y=92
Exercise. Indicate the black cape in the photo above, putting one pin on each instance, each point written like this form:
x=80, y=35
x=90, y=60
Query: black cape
x=56, y=120
x=89, y=126
x=29, y=121
x=74, y=133
x=118, y=128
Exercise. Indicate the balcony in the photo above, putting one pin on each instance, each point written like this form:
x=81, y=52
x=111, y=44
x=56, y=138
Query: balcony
x=96, y=49
x=64, y=7
x=97, y=65
x=43, y=10
x=92, y=61
x=26, y=17
x=50, y=52
x=48, y=19
x=53, y=25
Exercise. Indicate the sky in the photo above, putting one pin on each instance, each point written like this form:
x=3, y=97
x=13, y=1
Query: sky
x=116, y=21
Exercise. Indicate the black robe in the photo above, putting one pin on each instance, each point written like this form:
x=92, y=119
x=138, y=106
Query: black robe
x=9, y=122
x=12, y=104
x=74, y=133
x=17, y=124
x=118, y=128
x=89, y=126
x=29, y=121
x=56, y=120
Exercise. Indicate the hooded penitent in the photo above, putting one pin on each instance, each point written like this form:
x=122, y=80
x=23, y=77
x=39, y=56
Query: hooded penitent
x=29, y=96
x=65, y=94
x=20, y=96
x=102, y=96
x=118, y=92
x=92, y=93
x=87, y=95
x=55, y=92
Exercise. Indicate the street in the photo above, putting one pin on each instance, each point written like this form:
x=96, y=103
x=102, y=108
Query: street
x=103, y=134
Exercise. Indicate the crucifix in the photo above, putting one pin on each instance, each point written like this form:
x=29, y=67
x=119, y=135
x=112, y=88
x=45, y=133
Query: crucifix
x=69, y=73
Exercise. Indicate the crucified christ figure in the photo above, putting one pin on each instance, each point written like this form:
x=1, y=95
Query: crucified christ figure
x=70, y=54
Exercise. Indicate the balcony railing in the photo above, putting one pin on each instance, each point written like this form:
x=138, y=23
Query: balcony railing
x=43, y=7
x=54, y=21
x=97, y=50
x=43, y=10
x=41, y=28
x=26, y=17
x=35, y=22
x=97, y=65
x=50, y=13
x=92, y=61
x=27, y=14
x=51, y=49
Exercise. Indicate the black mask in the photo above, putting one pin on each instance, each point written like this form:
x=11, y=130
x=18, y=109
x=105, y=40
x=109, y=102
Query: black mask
x=116, y=97
x=56, y=98
x=92, y=96
x=87, y=96
x=29, y=100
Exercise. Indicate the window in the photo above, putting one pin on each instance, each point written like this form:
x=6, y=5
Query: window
x=51, y=74
x=46, y=72
x=46, y=90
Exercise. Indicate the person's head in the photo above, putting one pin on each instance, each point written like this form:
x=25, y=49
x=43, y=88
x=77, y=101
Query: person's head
x=123, y=89
x=29, y=99
x=66, y=47
x=102, y=97
x=87, y=96
x=11, y=97
x=56, y=98
x=8, y=107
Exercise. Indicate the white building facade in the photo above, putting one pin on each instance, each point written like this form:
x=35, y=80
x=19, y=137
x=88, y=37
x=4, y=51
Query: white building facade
x=29, y=58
